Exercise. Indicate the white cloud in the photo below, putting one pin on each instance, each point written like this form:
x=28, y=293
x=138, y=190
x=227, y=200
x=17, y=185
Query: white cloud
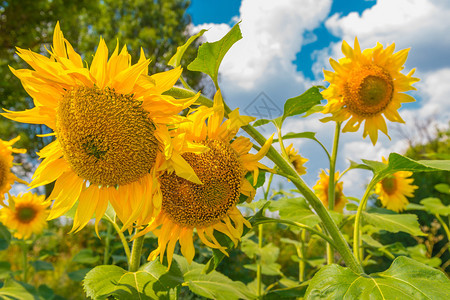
x=273, y=33
x=422, y=25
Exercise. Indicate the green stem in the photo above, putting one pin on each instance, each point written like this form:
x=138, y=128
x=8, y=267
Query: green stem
x=269, y=183
x=135, y=259
x=357, y=228
x=259, y=265
x=288, y=169
x=301, y=255
x=332, y=184
x=446, y=229
x=24, y=260
x=107, y=243
x=124, y=241
x=302, y=226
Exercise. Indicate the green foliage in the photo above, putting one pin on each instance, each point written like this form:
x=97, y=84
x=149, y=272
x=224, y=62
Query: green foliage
x=154, y=280
x=210, y=55
x=405, y=278
x=394, y=222
x=296, y=210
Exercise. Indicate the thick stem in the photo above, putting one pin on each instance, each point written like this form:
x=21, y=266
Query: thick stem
x=332, y=184
x=288, y=169
x=135, y=259
x=259, y=265
x=446, y=229
x=301, y=255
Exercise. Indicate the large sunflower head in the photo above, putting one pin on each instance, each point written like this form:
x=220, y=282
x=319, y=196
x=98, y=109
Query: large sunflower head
x=7, y=178
x=210, y=206
x=296, y=159
x=321, y=189
x=366, y=85
x=111, y=124
x=25, y=215
x=393, y=190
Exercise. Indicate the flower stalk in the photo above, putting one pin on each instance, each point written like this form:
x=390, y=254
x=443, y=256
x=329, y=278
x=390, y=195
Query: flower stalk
x=135, y=259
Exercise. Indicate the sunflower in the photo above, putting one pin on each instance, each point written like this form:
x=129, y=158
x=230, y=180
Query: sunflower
x=296, y=159
x=321, y=189
x=25, y=215
x=7, y=178
x=211, y=206
x=111, y=124
x=394, y=189
x=367, y=85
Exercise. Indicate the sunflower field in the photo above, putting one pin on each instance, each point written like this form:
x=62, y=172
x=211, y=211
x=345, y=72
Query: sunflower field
x=151, y=189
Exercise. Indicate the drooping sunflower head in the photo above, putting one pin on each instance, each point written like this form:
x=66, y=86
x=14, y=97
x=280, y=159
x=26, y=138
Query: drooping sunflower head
x=296, y=159
x=211, y=205
x=366, y=85
x=393, y=190
x=7, y=178
x=321, y=189
x=111, y=124
x=25, y=215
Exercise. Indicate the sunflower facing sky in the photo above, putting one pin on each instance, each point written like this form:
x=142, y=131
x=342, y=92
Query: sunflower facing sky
x=111, y=124
x=187, y=206
x=394, y=189
x=25, y=214
x=321, y=189
x=7, y=178
x=367, y=85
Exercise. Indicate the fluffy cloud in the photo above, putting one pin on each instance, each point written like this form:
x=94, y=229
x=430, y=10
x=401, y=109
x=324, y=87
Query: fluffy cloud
x=422, y=25
x=262, y=61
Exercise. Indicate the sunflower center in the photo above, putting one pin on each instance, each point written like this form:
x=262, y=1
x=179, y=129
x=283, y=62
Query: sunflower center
x=389, y=185
x=194, y=205
x=106, y=137
x=25, y=214
x=368, y=90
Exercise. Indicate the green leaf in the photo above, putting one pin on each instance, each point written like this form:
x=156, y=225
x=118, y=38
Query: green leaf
x=5, y=237
x=150, y=282
x=296, y=210
x=301, y=104
x=435, y=206
x=215, y=285
x=5, y=269
x=78, y=275
x=40, y=265
x=210, y=55
x=176, y=59
x=405, y=279
x=13, y=289
x=260, y=122
x=268, y=253
x=419, y=253
x=443, y=188
x=86, y=256
x=398, y=162
x=394, y=222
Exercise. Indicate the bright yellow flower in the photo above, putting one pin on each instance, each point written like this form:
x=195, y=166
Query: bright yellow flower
x=25, y=215
x=7, y=178
x=394, y=189
x=296, y=159
x=321, y=189
x=211, y=206
x=111, y=124
x=367, y=85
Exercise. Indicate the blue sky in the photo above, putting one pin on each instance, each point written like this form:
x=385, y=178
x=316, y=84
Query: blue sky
x=287, y=43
